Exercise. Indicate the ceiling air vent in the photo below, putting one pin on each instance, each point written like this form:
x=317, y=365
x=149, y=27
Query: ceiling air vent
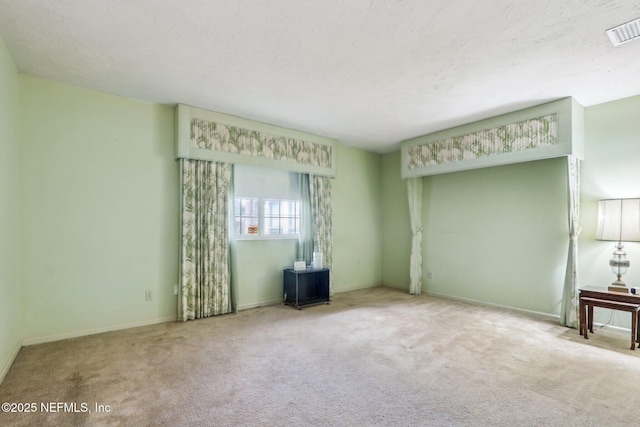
x=624, y=33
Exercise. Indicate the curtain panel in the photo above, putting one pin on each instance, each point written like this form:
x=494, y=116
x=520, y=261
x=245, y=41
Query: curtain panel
x=305, y=241
x=569, y=312
x=322, y=220
x=205, y=285
x=414, y=191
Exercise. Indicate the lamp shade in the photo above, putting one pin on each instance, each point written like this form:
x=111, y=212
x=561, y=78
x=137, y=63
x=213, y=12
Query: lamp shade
x=619, y=220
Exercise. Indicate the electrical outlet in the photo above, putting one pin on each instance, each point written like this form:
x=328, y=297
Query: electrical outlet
x=175, y=289
x=148, y=296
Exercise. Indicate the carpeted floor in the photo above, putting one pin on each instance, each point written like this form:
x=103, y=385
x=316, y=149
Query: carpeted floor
x=376, y=357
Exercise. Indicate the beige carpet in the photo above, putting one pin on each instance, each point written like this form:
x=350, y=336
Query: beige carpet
x=376, y=357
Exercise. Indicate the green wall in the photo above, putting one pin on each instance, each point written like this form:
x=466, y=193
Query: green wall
x=257, y=264
x=257, y=270
x=357, y=220
x=496, y=235
x=10, y=315
x=396, y=229
x=99, y=211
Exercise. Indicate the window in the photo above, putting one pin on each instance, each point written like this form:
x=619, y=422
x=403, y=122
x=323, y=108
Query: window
x=266, y=203
x=281, y=217
x=266, y=217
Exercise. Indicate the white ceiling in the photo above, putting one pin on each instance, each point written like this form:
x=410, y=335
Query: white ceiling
x=369, y=73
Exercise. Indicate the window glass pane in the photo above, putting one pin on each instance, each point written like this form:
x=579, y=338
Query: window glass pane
x=249, y=207
x=288, y=208
x=272, y=226
x=288, y=225
x=271, y=207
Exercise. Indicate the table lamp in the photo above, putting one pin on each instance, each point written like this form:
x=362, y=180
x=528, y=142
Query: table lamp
x=619, y=221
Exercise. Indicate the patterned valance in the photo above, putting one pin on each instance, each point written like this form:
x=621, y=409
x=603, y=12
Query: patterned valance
x=206, y=135
x=550, y=130
x=228, y=139
x=534, y=133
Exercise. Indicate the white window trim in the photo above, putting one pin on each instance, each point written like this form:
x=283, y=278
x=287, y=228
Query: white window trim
x=267, y=237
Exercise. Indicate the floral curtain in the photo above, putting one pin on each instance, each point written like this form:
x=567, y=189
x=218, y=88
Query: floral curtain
x=414, y=190
x=204, y=269
x=322, y=219
x=569, y=309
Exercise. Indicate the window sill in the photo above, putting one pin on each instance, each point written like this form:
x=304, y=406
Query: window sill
x=276, y=237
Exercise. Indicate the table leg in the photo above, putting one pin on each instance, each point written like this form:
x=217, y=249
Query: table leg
x=590, y=318
x=587, y=309
x=634, y=325
x=583, y=325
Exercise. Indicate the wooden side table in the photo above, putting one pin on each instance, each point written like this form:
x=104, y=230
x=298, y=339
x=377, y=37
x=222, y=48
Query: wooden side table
x=591, y=297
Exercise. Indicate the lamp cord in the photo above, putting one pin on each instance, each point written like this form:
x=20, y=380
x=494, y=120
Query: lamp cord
x=608, y=321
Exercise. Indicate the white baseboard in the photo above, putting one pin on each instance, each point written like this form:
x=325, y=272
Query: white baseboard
x=12, y=358
x=76, y=334
x=276, y=301
x=260, y=304
x=490, y=304
x=617, y=329
x=355, y=288
x=554, y=317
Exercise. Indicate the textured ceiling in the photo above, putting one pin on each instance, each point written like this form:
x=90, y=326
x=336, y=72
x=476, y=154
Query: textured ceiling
x=369, y=73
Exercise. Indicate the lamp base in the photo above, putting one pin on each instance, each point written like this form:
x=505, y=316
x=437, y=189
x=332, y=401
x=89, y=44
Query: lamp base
x=614, y=287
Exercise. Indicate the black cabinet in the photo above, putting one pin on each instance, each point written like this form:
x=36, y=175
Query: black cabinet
x=306, y=287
